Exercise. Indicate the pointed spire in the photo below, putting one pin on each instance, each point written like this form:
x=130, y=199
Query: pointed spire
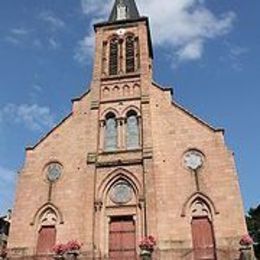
x=124, y=10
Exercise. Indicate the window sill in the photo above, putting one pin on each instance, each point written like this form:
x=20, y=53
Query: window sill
x=119, y=157
x=120, y=76
x=121, y=151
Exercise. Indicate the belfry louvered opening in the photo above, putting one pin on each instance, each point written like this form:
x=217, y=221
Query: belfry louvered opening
x=130, y=54
x=113, y=57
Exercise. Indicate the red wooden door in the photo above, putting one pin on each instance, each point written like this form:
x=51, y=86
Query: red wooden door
x=203, y=239
x=46, y=240
x=122, y=243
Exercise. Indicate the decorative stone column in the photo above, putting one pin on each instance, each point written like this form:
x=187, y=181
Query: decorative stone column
x=102, y=124
x=120, y=140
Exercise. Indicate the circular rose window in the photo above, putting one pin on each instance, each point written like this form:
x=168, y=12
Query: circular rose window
x=121, y=193
x=193, y=160
x=53, y=172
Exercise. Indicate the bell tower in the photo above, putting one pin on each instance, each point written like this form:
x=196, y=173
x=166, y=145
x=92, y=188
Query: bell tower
x=120, y=94
x=122, y=70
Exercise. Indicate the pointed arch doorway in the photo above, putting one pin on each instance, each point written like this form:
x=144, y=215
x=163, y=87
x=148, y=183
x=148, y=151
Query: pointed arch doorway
x=120, y=219
x=202, y=232
x=203, y=239
x=122, y=238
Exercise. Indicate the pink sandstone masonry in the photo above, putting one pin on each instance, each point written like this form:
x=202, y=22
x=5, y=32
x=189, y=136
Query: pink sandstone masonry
x=164, y=190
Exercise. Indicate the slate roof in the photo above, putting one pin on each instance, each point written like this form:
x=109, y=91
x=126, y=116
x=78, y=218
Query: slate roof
x=132, y=11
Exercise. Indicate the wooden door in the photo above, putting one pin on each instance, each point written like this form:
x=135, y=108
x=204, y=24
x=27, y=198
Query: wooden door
x=46, y=240
x=203, y=239
x=122, y=242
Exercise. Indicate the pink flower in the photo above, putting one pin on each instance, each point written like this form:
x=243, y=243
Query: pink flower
x=3, y=252
x=61, y=249
x=74, y=245
x=246, y=240
x=147, y=243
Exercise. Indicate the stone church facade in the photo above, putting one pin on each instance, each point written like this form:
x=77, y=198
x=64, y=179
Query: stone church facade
x=127, y=162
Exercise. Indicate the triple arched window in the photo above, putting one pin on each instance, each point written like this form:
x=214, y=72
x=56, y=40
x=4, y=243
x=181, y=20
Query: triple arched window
x=123, y=55
x=115, y=128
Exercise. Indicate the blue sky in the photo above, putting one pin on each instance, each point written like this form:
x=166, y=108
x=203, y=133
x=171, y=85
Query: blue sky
x=207, y=50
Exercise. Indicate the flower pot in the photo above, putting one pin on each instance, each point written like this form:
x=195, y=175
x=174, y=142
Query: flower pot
x=72, y=255
x=246, y=253
x=58, y=257
x=146, y=254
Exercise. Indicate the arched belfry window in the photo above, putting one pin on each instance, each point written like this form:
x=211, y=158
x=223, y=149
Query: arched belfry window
x=130, y=54
x=111, y=132
x=132, y=137
x=113, y=57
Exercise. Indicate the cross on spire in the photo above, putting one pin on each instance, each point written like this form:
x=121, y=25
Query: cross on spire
x=124, y=10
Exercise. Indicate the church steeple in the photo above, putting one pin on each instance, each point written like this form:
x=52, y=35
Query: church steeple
x=124, y=10
x=123, y=43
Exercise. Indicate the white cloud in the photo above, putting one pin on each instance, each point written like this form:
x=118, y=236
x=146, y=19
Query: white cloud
x=237, y=51
x=12, y=40
x=53, y=44
x=17, y=36
x=96, y=7
x=181, y=26
x=7, y=187
x=19, y=31
x=37, y=87
x=54, y=21
x=34, y=117
x=84, y=50
x=191, y=51
x=236, y=57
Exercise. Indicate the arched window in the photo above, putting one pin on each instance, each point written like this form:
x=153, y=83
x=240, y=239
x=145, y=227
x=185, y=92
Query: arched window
x=130, y=54
x=111, y=133
x=113, y=57
x=132, y=137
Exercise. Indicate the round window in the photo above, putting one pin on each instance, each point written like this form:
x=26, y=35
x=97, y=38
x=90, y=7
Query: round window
x=121, y=193
x=54, y=172
x=193, y=160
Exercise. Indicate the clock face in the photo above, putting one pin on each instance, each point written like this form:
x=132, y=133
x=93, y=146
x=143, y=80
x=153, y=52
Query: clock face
x=121, y=193
x=193, y=160
x=54, y=172
x=120, y=32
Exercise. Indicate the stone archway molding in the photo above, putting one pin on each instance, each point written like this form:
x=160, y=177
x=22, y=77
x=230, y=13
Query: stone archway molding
x=201, y=196
x=114, y=176
x=44, y=208
x=131, y=108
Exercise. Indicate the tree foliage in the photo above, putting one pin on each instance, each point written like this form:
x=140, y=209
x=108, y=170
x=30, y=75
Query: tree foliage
x=253, y=225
